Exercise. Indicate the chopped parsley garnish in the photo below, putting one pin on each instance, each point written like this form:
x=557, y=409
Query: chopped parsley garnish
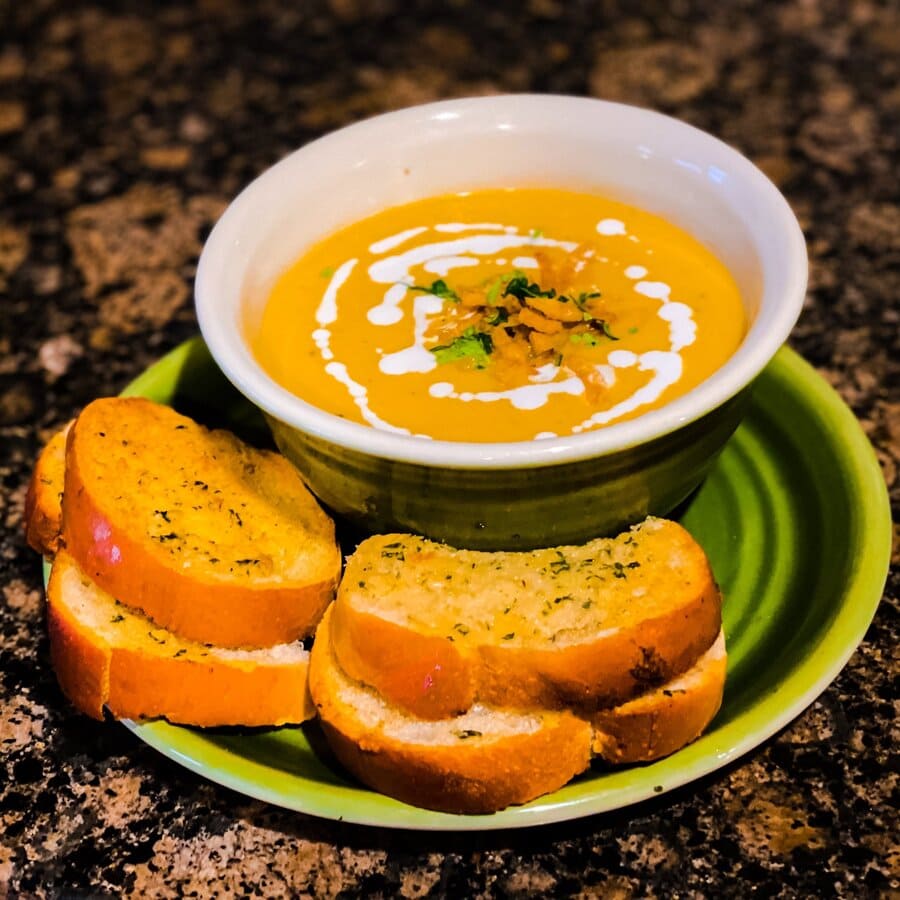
x=604, y=327
x=471, y=344
x=439, y=288
x=508, y=313
x=493, y=292
x=519, y=287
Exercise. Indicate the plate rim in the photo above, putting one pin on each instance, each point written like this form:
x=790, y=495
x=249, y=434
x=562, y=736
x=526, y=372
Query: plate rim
x=860, y=599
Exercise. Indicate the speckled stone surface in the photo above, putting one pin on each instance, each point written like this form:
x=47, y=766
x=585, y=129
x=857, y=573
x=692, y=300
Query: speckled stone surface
x=123, y=135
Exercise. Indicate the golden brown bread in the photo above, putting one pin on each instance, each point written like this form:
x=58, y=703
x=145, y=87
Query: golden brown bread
x=435, y=629
x=438, y=695
x=665, y=719
x=43, y=500
x=212, y=539
x=488, y=758
x=479, y=762
x=106, y=654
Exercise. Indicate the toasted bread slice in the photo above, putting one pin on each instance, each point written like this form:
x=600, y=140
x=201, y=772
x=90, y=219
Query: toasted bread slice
x=106, y=654
x=479, y=762
x=665, y=719
x=435, y=630
x=43, y=500
x=212, y=539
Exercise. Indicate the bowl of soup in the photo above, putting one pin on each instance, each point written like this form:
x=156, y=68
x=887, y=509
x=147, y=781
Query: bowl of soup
x=503, y=322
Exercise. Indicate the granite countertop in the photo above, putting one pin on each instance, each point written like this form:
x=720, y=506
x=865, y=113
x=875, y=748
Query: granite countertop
x=122, y=137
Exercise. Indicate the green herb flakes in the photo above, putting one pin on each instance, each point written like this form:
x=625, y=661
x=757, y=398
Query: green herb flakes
x=438, y=288
x=521, y=288
x=471, y=344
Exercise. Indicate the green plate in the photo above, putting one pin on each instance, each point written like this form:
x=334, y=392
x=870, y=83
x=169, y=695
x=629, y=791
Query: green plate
x=795, y=520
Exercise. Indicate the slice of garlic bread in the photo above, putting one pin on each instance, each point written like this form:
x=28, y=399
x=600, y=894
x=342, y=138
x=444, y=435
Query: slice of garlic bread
x=435, y=629
x=213, y=539
x=488, y=758
x=106, y=654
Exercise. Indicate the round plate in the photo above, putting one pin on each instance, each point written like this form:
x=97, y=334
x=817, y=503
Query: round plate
x=795, y=520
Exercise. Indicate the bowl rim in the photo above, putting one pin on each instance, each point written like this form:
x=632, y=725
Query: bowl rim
x=231, y=351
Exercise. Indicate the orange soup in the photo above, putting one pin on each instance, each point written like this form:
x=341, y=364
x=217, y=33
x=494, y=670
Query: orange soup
x=500, y=315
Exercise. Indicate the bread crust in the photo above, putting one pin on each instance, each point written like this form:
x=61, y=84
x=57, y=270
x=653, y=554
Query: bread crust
x=158, y=674
x=474, y=775
x=111, y=526
x=428, y=677
x=479, y=777
x=43, y=499
x=597, y=671
x=664, y=720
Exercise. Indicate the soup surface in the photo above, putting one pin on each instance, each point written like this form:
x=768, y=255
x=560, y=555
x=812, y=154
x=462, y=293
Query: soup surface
x=499, y=315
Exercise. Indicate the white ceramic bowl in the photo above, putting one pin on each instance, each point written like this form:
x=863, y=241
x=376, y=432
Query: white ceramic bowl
x=486, y=494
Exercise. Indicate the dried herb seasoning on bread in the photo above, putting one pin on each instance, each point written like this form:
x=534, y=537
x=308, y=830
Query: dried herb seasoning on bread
x=188, y=563
x=105, y=654
x=211, y=538
x=478, y=762
x=487, y=757
x=436, y=629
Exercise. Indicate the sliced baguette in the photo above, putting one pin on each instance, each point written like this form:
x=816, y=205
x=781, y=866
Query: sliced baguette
x=106, y=654
x=479, y=762
x=43, y=500
x=435, y=630
x=212, y=539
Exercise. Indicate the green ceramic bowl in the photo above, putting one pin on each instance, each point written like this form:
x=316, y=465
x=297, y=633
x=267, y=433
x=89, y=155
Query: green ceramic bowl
x=529, y=493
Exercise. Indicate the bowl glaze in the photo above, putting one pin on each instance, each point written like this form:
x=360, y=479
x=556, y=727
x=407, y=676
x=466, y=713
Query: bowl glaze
x=528, y=493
